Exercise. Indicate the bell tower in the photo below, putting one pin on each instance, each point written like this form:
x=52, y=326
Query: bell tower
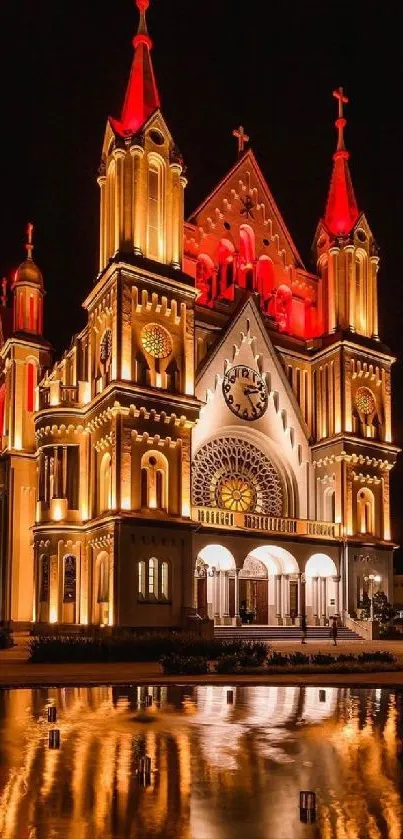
x=141, y=174
x=346, y=253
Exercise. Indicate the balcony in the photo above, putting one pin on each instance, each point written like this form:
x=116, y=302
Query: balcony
x=214, y=517
x=57, y=394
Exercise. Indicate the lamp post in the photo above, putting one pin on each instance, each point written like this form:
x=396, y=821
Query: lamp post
x=371, y=579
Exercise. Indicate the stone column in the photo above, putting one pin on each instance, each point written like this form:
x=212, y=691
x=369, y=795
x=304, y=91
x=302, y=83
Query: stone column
x=336, y=581
x=299, y=584
x=102, y=226
x=175, y=254
x=286, y=589
x=268, y=598
x=315, y=599
x=323, y=600
x=217, y=610
x=226, y=596
x=137, y=153
x=237, y=615
x=277, y=589
x=119, y=156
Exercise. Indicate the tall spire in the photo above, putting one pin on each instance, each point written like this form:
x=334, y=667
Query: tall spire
x=142, y=97
x=341, y=209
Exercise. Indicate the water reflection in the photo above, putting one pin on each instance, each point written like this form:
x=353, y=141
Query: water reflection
x=219, y=770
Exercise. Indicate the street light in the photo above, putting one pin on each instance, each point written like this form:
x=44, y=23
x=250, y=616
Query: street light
x=371, y=579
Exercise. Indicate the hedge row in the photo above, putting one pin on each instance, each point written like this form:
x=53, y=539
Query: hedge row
x=147, y=647
x=249, y=660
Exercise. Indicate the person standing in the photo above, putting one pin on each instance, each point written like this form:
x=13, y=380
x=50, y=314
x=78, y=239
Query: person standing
x=303, y=629
x=334, y=630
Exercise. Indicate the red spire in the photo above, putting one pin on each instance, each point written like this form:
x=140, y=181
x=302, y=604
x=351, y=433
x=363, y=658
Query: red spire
x=341, y=210
x=142, y=97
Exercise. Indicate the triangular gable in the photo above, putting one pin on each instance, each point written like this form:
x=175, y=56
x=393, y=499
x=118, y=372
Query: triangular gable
x=280, y=431
x=248, y=174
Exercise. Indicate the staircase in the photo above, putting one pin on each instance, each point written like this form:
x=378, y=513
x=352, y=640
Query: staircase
x=255, y=632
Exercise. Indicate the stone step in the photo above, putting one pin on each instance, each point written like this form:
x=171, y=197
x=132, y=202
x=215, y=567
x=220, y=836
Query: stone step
x=262, y=633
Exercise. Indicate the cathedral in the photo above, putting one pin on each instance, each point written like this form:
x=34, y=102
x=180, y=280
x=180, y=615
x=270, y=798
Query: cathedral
x=215, y=445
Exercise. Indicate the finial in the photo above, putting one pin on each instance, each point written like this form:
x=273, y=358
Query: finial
x=4, y=292
x=242, y=138
x=142, y=32
x=29, y=245
x=340, y=121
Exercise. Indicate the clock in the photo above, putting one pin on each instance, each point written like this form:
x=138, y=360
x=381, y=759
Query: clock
x=245, y=393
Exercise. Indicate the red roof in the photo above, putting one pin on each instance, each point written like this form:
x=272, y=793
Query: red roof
x=142, y=97
x=341, y=209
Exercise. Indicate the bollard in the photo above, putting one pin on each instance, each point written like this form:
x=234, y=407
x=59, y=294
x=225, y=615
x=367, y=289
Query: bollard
x=322, y=696
x=54, y=739
x=52, y=714
x=230, y=697
x=307, y=807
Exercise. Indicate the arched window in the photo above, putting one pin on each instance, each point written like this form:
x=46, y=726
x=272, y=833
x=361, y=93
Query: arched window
x=31, y=377
x=366, y=511
x=111, y=190
x=155, y=209
x=153, y=577
x=102, y=592
x=70, y=579
x=205, y=279
x=44, y=578
x=154, y=481
x=361, y=292
x=164, y=580
x=265, y=278
x=142, y=579
x=329, y=505
x=226, y=253
x=105, y=483
x=246, y=257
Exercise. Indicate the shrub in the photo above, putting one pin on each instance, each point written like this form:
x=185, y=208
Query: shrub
x=322, y=658
x=228, y=664
x=174, y=665
x=131, y=647
x=298, y=658
x=378, y=656
x=344, y=659
x=6, y=638
x=278, y=659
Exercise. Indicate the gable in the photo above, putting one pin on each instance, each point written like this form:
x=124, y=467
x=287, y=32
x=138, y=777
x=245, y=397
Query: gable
x=280, y=430
x=243, y=197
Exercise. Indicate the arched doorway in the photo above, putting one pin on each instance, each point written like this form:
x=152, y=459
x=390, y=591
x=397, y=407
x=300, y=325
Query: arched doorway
x=322, y=589
x=276, y=590
x=214, y=570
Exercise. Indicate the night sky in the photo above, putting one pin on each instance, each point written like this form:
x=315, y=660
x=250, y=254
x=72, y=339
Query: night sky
x=271, y=66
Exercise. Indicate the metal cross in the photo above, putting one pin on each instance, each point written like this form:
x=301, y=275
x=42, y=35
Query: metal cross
x=242, y=138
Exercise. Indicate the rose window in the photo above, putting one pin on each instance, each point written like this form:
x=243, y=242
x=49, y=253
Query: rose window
x=232, y=474
x=365, y=401
x=156, y=340
x=236, y=494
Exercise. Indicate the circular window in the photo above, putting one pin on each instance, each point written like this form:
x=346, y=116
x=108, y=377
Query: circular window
x=156, y=137
x=236, y=494
x=365, y=401
x=106, y=346
x=156, y=340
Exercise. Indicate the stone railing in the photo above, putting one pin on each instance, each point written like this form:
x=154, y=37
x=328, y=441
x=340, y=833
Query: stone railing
x=56, y=394
x=214, y=517
x=365, y=629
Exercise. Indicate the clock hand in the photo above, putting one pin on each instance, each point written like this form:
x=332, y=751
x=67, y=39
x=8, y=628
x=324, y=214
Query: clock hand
x=249, y=390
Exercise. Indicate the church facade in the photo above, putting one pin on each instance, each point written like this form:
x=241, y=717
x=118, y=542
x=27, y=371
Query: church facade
x=216, y=443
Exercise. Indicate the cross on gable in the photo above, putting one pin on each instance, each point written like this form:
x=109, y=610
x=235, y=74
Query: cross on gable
x=242, y=138
x=343, y=100
x=340, y=121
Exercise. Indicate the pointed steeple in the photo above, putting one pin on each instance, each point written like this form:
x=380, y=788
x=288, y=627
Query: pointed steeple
x=341, y=209
x=142, y=97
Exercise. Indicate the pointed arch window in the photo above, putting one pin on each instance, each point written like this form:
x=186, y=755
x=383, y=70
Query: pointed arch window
x=70, y=579
x=105, y=489
x=155, y=209
x=366, y=511
x=31, y=382
x=142, y=579
x=152, y=577
x=164, y=580
x=103, y=578
x=154, y=481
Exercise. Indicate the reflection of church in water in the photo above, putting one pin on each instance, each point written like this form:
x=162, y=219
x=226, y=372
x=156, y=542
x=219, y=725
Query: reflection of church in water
x=219, y=434
x=219, y=770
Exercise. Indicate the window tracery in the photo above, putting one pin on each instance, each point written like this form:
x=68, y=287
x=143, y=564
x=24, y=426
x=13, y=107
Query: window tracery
x=156, y=340
x=232, y=474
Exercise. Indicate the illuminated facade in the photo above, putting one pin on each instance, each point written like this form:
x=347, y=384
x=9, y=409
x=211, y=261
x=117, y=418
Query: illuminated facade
x=217, y=439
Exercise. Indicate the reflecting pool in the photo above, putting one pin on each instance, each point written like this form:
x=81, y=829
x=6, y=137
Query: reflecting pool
x=226, y=763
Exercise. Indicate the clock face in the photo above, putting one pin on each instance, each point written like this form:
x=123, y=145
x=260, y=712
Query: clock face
x=245, y=393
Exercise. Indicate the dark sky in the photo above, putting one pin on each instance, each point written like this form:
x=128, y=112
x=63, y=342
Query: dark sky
x=272, y=66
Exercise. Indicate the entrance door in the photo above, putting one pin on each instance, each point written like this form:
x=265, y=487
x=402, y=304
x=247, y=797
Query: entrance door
x=262, y=614
x=202, y=596
x=293, y=600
